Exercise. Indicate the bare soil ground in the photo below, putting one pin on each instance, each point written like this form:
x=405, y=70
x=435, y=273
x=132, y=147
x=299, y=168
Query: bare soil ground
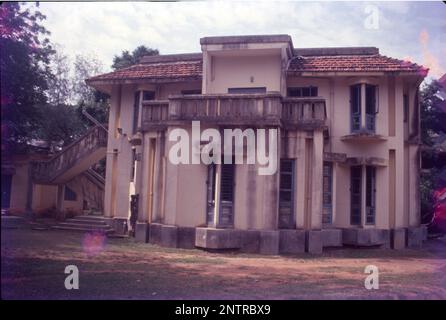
x=33, y=264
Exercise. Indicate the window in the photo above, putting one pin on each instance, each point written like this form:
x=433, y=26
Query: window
x=247, y=90
x=370, y=106
x=148, y=95
x=406, y=107
x=327, y=197
x=286, y=194
x=185, y=92
x=355, y=107
x=69, y=194
x=370, y=197
x=133, y=169
x=302, y=91
x=225, y=207
x=136, y=111
x=355, y=195
x=211, y=194
x=226, y=217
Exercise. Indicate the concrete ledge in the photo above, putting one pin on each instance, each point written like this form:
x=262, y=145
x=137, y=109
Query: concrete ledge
x=398, y=239
x=291, y=241
x=155, y=233
x=314, y=241
x=331, y=237
x=269, y=242
x=142, y=231
x=415, y=236
x=364, y=237
x=169, y=236
x=186, y=237
x=250, y=241
x=211, y=238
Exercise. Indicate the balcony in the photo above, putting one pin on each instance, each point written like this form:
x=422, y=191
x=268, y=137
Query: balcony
x=269, y=109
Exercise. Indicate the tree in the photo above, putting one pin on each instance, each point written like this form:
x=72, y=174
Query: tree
x=87, y=98
x=60, y=85
x=127, y=59
x=433, y=126
x=25, y=53
x=61, y=125
x=433, y=118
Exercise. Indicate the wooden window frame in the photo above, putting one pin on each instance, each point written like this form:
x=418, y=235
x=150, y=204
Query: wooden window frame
x=291, y=223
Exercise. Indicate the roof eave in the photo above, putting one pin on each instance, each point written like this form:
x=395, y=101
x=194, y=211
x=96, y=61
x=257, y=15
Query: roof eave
x=95, y=82
x=310, y=73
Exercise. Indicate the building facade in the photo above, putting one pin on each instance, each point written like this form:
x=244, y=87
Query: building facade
x=347, y=122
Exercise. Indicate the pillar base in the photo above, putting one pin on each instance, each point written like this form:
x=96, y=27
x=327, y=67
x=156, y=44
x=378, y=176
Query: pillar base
x=398, y=239
x=142, y=232
x=120, y=225
x=211, y=238
x=269, y=242
x=186, y=237
x=314, y=242
x=331, y=238
x=292, y=241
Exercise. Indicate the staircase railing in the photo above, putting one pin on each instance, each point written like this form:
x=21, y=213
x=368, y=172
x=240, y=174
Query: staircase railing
x=47, y=171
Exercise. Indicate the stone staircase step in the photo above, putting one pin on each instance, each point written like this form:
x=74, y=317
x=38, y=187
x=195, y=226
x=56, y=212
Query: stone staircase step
x=81, y=229
x=85, y=223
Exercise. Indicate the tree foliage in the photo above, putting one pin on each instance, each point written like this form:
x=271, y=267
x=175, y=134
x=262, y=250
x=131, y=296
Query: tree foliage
x=433, y=118
x=25, y=53
x=433, y=126
x=127, y=59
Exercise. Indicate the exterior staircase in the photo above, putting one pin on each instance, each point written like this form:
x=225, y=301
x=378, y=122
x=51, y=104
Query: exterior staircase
x=85, y=223
x=72, y=160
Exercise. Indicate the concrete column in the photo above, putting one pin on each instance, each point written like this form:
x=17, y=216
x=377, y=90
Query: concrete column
x=414, y=193
x=316, y=180
x=172, y=172
x=158, y=179
x=123, y=172
x=111, y=158
x=143, y=209
x=300, y=181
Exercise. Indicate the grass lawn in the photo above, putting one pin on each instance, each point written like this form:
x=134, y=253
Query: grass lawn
x=33, y=264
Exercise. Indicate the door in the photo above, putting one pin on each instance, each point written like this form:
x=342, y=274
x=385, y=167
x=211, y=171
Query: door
x=226, y=216
x=286, y=194
x=6, y=190
x=355, y=194
x=210, y=208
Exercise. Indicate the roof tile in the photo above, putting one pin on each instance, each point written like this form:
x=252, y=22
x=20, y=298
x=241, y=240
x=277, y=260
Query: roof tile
x=352, y=63
x=181, y=69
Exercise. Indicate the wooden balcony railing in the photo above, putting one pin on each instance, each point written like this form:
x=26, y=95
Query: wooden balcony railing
x=304, y=112
x=235, y=109
x=47, y=171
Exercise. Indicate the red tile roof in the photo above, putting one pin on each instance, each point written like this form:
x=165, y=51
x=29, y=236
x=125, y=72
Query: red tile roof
x=352, y=63
x=191, y=69
x=167, y=70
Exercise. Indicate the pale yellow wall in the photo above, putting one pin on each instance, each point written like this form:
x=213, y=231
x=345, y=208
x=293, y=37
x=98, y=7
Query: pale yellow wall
x=43, y=197
x=182, y=200
x=19, y=186
x=236, y=71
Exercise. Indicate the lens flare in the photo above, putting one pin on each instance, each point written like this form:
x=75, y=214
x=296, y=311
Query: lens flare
x=94, y=243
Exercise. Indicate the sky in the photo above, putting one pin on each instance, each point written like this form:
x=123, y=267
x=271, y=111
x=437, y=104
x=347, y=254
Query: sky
x=404, y=30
